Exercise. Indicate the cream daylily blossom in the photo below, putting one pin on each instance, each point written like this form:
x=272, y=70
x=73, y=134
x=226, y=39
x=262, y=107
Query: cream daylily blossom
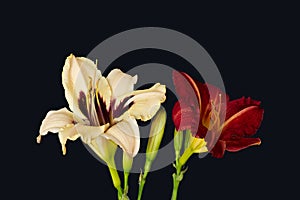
x=103, y=109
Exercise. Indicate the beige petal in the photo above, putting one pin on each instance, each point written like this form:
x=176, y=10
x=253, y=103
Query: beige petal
x=78, y=76
x=120, y=83
x=88, y=133
x=67, y=133
x=55, y=120
x=125, y=134
x=104, y=91
x=61, y=122
x=146, y=102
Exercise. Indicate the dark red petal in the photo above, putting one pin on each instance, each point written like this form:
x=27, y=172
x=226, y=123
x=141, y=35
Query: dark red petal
x=243, y=124
x=236, y=145
x=186, y=88
x=239, y=104
x=205, y=97
x=176, y=115
x=185, y=117
x=219, y=149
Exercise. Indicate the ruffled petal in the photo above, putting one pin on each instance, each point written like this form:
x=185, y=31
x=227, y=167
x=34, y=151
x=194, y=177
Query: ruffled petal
x=125, y=134
x=61, y=122
x=237, y=105
x=146, y=102
x=245, y=123
x=120, y=83
x=242, y=143
x=55, y=121
x=79, y=75
x=88, y=133
x=67, y=133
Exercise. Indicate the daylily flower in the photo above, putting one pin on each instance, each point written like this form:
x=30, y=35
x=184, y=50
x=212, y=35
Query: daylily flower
x=103, y=109
x=208, y=113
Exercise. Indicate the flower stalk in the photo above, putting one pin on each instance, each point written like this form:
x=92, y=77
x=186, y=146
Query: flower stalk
x=142, y=179
x=156, y=134
x=191, y=145
x=116, y=179
x=177, y=177
x=127, y=164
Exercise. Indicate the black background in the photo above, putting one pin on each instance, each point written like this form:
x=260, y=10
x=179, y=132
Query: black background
x=252, y=45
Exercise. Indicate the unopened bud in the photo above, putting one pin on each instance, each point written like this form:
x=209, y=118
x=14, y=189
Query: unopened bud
x=156, y=134
x=178, y=139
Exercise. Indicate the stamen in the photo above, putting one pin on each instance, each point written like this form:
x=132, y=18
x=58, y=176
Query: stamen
x=219, y=110
x=220, y=103
x=90, y=104
x=93, y=109
x=88, y=97
x=215, y=114
x=100, y=113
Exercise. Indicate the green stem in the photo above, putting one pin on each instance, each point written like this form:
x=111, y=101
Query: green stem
x=126, y=175
x=141, y=185
x=178, y=176
x=143, y=177
x=175, y=188
x=176, y=180
x=127, y=164
x=116, y=179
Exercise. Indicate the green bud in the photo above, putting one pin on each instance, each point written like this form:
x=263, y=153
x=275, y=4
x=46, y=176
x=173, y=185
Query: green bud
x=156, y=134
x=178, y=139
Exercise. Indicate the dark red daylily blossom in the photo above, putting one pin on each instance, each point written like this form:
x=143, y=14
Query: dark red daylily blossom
x=207, y=112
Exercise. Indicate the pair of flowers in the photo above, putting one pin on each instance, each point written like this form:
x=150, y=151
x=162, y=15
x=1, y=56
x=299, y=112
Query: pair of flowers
x=105, y=110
